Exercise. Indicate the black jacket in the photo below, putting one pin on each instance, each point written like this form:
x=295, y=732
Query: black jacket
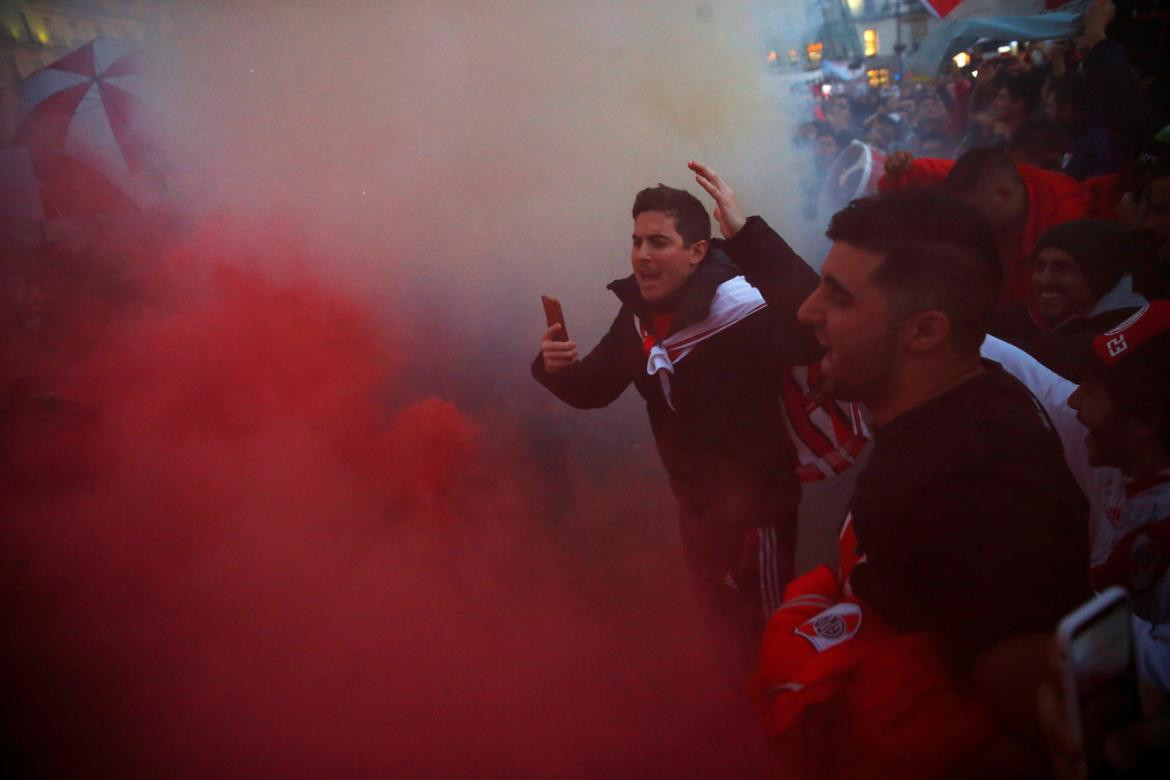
x=724, y=445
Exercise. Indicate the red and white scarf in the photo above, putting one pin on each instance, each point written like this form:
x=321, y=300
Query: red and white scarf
x=734, y=300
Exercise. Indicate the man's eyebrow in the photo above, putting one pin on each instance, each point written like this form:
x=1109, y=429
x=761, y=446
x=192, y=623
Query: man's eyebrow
x=649, y=235
x=835, y=285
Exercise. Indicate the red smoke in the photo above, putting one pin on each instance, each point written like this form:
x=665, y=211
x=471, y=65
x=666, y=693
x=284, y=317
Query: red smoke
x=226, y=555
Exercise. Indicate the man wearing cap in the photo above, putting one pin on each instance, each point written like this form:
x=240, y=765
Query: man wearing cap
x=1125, y=405
x=1080, y=288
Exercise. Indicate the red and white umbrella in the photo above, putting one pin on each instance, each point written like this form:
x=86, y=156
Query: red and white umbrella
x=40, y=184
x=84, y=105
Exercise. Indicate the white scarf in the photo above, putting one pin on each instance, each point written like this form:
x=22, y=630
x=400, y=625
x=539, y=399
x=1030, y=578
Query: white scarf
x=733, y=300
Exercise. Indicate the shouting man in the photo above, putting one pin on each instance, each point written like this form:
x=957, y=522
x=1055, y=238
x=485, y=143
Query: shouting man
x=967, y=534
x=707, y=354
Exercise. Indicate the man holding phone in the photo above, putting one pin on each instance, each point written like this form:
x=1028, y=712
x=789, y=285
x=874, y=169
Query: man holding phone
x=707, y=354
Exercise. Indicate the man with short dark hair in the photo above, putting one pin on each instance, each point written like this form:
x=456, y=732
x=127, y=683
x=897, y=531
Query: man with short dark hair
x=906, y=294
x=966, y=524
x=1016, y=97
x=1019, y=202
x=707, y=354
x=830, y=142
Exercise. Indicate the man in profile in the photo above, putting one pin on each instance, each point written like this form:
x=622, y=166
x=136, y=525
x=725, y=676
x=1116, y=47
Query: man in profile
x=706, y=353
x=965, y=526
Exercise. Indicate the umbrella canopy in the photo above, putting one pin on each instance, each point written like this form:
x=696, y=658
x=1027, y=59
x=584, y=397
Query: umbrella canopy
x=83, y=104
x=43, y=184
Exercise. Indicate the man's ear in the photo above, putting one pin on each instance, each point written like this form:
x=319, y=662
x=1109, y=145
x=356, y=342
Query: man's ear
x=698, y=251
x=1148, y=423
x=925, y=330
x=1004, y=192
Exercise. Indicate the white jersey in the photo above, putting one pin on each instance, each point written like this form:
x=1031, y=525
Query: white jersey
x=1129, y=524
x=1103, y=487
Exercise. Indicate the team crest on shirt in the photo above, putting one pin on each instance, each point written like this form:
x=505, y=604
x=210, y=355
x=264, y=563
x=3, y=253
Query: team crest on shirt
x=1144, y=557
x=833, y=626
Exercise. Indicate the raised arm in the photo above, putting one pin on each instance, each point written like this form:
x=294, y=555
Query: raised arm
x=768, y=264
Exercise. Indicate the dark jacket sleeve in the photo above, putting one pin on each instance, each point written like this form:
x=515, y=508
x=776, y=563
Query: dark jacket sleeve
x=595, y=381
x=784, y=279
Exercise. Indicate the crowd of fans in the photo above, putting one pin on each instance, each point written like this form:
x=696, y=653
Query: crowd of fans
x=1063, y=148
x=1057, y=132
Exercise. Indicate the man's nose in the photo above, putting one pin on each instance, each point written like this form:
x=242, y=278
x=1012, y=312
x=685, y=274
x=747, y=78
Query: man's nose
x=808, y=313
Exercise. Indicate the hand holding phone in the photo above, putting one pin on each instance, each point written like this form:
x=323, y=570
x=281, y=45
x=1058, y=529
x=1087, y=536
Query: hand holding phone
x=1098, y=673
x=554, y=316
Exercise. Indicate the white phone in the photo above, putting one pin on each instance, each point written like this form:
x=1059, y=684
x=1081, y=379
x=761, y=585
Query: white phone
x=1095, y=642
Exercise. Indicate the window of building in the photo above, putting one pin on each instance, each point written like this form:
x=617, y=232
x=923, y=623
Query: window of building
x=870, y=39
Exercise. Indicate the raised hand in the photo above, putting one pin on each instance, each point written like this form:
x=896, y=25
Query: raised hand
x=728, y=212
x=898, y=163
x=556, y=354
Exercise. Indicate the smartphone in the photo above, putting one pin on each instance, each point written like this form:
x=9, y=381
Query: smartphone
x=1095, y=644
x=554, y=316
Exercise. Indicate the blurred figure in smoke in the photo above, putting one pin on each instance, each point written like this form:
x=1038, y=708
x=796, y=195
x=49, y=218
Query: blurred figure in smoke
x=948, y=551
x=839, y=114
x=884, y=132
x=703, y=349
x=830, y=142
x=1016, y=96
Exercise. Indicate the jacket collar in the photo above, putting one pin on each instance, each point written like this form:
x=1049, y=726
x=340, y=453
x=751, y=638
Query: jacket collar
x=694, y=302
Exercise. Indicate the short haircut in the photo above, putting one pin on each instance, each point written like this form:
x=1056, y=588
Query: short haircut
x=976, y=167
x=690, y=216
x=1021, y=86
x=938, y=254
x=841, y=137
